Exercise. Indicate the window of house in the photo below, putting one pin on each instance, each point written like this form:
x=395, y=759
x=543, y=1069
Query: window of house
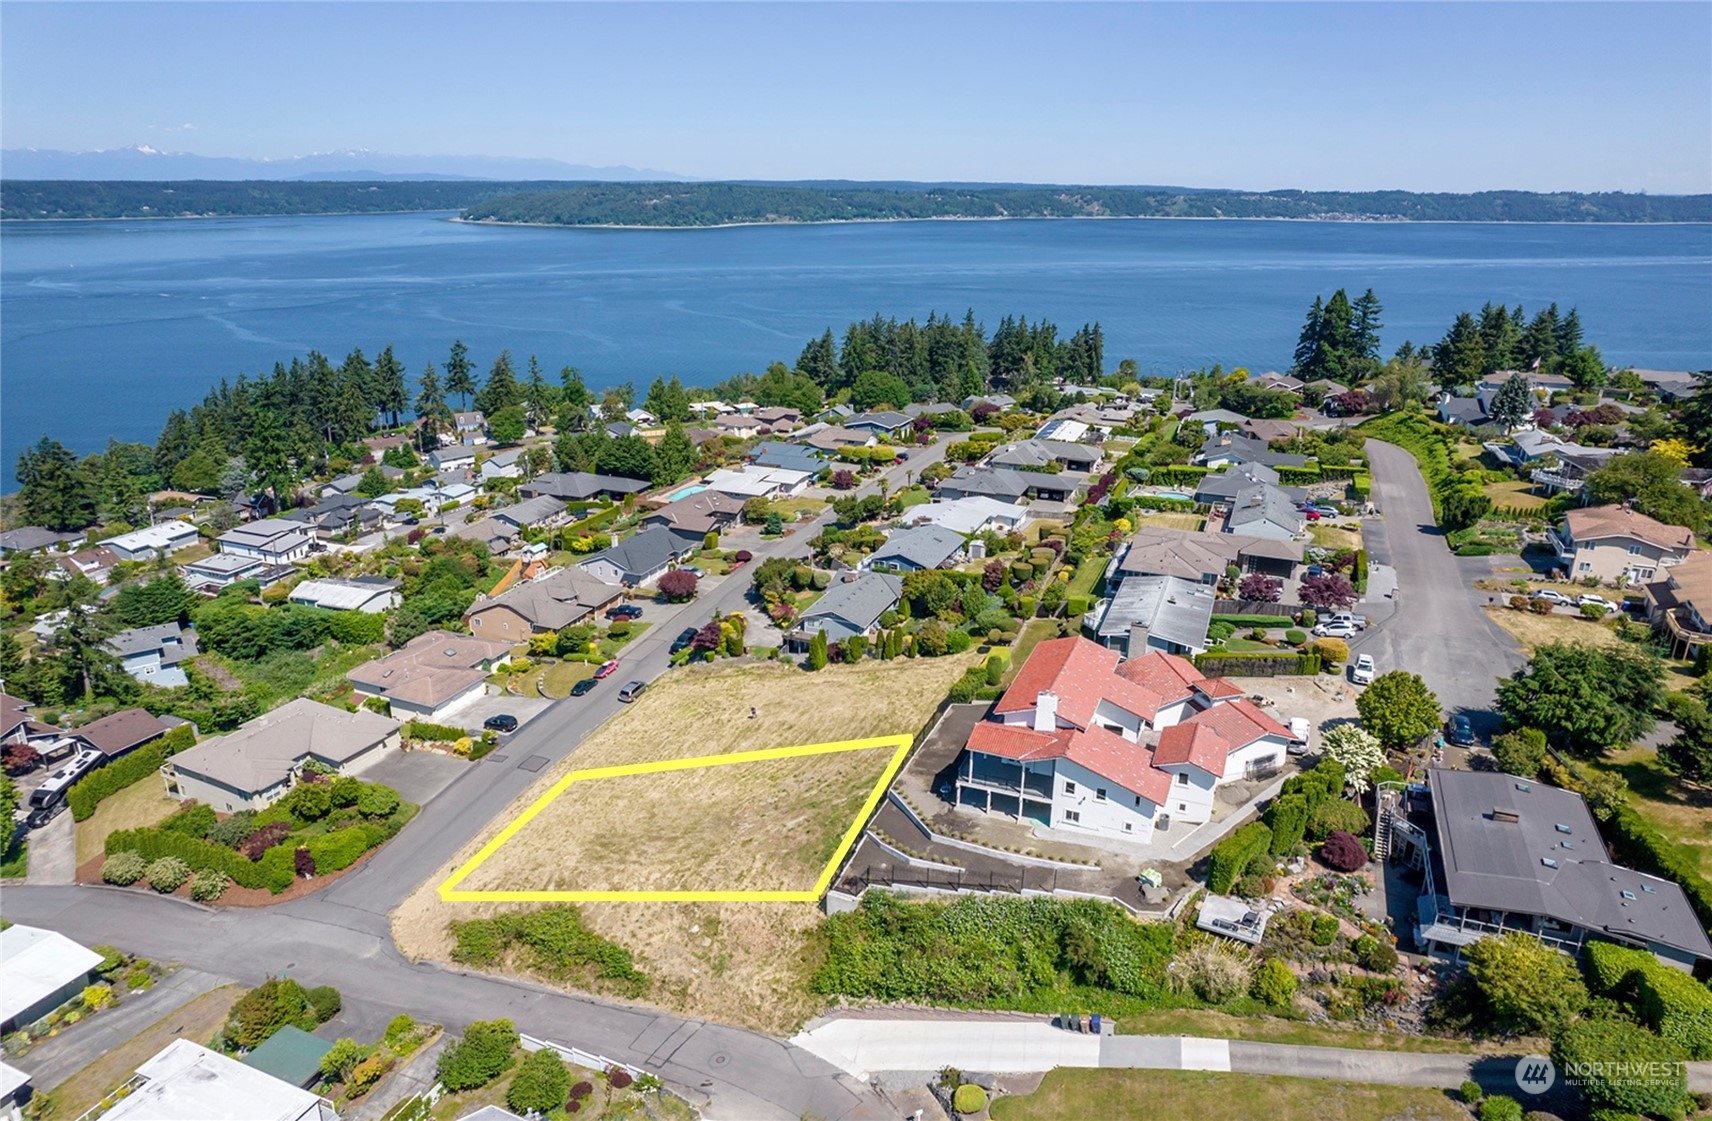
x=1182, y=778
x=1069, y=787
x=1072, y=816
x=1634, y=550
x=1584, y=567
x=1138, y=799
x=1182, y=807
x=1129, y=828
x=1099, y=794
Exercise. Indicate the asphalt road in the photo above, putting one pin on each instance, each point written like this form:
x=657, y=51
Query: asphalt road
x=1437, y=629
x=342, y=936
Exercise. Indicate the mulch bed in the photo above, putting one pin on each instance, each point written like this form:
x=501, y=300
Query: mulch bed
x=89, y=872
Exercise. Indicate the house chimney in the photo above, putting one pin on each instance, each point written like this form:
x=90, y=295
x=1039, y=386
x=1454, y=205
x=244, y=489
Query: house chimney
x=1046, y=711
x=1137, y=641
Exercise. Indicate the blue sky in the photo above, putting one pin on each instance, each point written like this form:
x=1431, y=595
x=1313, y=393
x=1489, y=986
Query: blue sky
x=1443, y=96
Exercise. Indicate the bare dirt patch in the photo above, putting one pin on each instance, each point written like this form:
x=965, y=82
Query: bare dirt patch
x=743, y=963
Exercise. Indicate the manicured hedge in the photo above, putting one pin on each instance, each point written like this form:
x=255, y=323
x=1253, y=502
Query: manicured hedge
x=1177, y=475
x=107, y=780
x=1253, y=620
x=1287, y=817
x=344, y=847
x=422, y=731
x=1299, y=476
x=270, y=872
x=1676, y=1006
x=1610, y=966
x=1231, y=855
x=1257, y=665
x=1641, y=847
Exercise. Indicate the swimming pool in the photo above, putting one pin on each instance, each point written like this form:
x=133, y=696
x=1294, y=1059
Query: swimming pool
x=1172, y=495
x=685, y=492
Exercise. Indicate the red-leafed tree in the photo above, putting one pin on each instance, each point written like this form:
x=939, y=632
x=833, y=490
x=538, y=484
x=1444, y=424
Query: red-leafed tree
x=1343, y=852
x=1327, y=590
x=993, y=576
x=679, y=585
x=1260, y=588
x=20, y=758
x=844, y=479
x=708, y=638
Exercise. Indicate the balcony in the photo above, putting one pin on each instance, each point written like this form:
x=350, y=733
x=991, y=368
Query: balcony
x=1556, y=480
x=1562, y=545
x=1685, y=638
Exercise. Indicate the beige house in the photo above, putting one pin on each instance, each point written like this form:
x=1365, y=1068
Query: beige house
x=1680, y=605
x=433, y=673
x=1618, y=544
x=251, y=768
x=561, y=598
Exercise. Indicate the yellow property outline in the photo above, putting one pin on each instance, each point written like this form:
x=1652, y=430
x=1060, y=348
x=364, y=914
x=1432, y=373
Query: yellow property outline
x=450, y=893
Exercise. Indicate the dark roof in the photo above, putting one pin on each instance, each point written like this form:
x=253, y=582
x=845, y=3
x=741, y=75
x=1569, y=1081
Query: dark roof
x=1495, y=863
x=120, y=732
x=885, y=418
x=32, y=537
x=643, y=553
x=792, y=456
x=579, y=485
x=138, y=639
x=998, y=482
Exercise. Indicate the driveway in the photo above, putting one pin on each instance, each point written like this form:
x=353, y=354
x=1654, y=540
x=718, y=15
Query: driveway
x=475, y=712
x=418, y=776
x=58, y=1058
x=1437, y=630
x=53, y=852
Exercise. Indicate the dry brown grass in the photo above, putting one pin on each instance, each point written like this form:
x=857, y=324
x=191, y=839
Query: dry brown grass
x=1515, y=493
x=1179, y=520
x=141, y=804
x=1186, y=1095
x=196, y=1021
x=747, y=826
x=1334, y=536
x=1537, y=630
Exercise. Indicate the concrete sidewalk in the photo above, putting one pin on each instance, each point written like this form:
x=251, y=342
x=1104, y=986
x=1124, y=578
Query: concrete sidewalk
x=58, y=1058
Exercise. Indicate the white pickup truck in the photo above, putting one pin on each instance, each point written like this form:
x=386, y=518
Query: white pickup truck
x=1359, y=622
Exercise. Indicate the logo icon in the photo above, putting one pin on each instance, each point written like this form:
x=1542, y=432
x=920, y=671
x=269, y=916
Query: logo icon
x=1535, y=1074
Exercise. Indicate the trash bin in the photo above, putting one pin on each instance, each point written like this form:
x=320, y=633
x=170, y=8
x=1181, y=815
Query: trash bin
x=1094, y=1023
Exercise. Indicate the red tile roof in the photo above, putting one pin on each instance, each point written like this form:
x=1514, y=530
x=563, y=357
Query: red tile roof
x=1220, y=687
x=1081, y=673
x=1193, y=743
x=1127, y=764
x=1014, y=741
x=1166, y=674
x=1239, y=722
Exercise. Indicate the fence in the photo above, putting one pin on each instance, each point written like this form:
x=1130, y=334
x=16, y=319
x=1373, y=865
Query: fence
x=577, y=1056
x=1013, y=880
x=1254, y=607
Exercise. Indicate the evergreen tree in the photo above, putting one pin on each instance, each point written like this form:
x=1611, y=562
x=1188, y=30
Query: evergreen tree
x=1538, y=344
x=668, y=400
x=1585, y=367
x=501, y=390
x=431, y=409
x=629, y=456
x=817, y=654
x=268, y=457
x=460, y=373
x=1513, y=402
x=674, y=457
x=177, y=441
x=1569, y=334
x=1337, y=338
x=1499, y=337
x=1460, y=356
x=819, y=361
x=1694, y=416
x=574, y=399
x=52, y=491
x=537, y=395
x=1308, y=343
x=1364, y=341
x=373, y=484
x=390, y=396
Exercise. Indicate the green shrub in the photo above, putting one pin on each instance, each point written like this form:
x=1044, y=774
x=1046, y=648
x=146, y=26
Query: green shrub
x=541, y=1083
x=1295, y=637
x=1521, y=752
x=342, y=848
x=1231, y=856
x=344, y=791
x=324, y=1001
x=309, y=801
x=231, y=832
x=481, y=1056
x=556, y=942
x=1470, y=1092
x=152, y=844
x=1335, y=815
x=265, y=1009
x=1500, y=1108
x=1611, y=968
x=376, y=800
x=1287, y=817
x=1376, y=954
x=1274, y=983
x=1600, y=1045
x=400, y=1030
x=123, y=868
x=1676, y=1006
x=207, y=886
x=194, y=820
x=969, y=1098
x=112, y=957
x=167, y=874
x=1325, y=930
x=1639, y=846
x=433, y=732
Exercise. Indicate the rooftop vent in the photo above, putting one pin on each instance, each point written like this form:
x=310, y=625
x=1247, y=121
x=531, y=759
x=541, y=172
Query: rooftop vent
x=1548, y=862
x=1649, y=889
x=1628, y=895
x=1506, y=815
x=1562, y=828
x=1524, y=787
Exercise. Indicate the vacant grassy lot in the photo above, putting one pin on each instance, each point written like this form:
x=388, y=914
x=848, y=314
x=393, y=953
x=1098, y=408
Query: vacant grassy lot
x=143, y=803
x=1537, y=630
x=744, y=963
x=1515, y=493
x=1179, y=520
x=196, y=1021
x=1178, y=1095
x=1679, y=811
x=1334, y=536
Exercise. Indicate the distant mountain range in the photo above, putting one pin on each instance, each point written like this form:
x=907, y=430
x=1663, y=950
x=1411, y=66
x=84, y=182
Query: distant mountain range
x=143, y=162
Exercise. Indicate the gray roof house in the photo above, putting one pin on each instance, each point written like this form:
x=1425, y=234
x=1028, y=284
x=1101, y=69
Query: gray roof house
x=1037, y=454
x=503, y=465
x=1511, y=854
x=368, y=594
x=1164, y=613
x=1470, y=412
x=910, y=550
x=253, y=766
x=1000, y=401
x=496, y=535
x=274, y=540
x=792, y=457
x=1001, y=483
x=454, y=456
x=1210, y=419
x=28, y=537
x=541, y=510
x=639, y=559
x=1264, y=511
x=580, y=486
x=559, y=599
x=851, y=607
x=152, y=654
x=1233, y=448
x=885, y=422
x=1224, y=486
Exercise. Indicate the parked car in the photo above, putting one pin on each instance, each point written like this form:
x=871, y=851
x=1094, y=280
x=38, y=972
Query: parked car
x=504, y=722
x=607, y=669
x=1299, y=728
x=685, y=637
x=1316, y=570
x=631, y=691
x=1359, y=622
x=1461, y=731
x=1362, y=672
x=1324, y=510
x=1550, y=596
x=1596, y=601
x=1335, y=630
x=624, y=611
x=1311, y=515
x=696, y=572
x=584, y=687
x=41, y=815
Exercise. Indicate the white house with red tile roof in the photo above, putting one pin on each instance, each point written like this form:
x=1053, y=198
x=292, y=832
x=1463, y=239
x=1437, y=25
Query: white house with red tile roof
x=1083, y=741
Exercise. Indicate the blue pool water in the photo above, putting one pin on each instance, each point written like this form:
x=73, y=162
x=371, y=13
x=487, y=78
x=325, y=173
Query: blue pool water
x=1173, y=494
x=685, y=492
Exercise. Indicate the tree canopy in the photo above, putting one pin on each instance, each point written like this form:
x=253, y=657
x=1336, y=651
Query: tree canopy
x=1585, y=698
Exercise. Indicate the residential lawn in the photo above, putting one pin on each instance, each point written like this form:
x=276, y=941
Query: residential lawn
x=913, y=496
x=622, y=1103
x=1167, y=519
x=1536, y=630
x=558, y=678
x=610, y=646
x=1249, y=646
x=769, y=825
x=712, y=562
x=141, y=804
x=1515, y=493
x=792, y=508
x=1334, y=536
x=1033, y=633
x=1087, y=577
x=1682, y=812
x=196, y=1021
x=1182, y=1095
x=1209, y=1024
x=15, y=864
x=197, y=552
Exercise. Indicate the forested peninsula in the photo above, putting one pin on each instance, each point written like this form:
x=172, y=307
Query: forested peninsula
x=678, y=205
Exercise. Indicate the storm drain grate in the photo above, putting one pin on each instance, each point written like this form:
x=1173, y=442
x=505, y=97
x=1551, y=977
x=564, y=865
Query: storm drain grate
x=496, y=758
x=533, y=763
